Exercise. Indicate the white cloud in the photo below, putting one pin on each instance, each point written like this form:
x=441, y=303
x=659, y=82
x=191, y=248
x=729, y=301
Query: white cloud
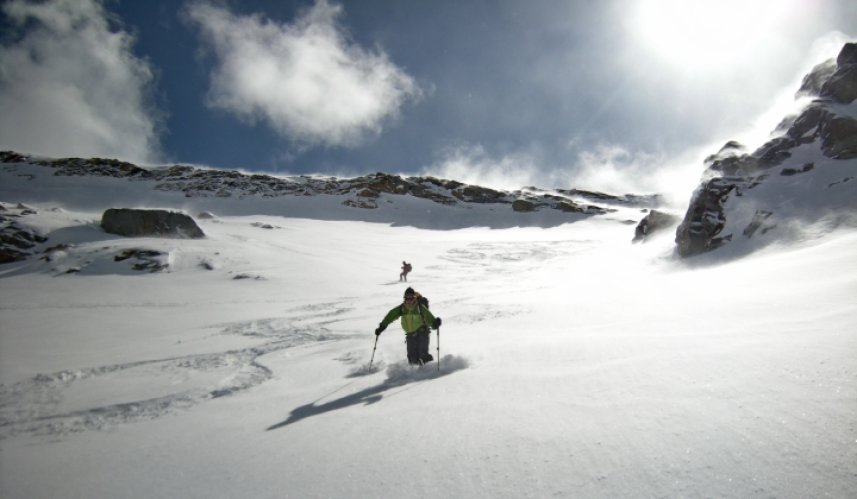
x=70, y=86
x=307, y=80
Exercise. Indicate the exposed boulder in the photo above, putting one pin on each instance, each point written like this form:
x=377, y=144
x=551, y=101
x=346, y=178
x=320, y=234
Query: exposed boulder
x=150, y=223
x=523, y=206
x=655, y=221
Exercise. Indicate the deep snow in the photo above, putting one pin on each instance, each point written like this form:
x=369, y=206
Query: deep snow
x=573, y=363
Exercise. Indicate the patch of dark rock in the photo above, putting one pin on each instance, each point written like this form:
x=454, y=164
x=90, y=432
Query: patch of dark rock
x=523, y=206
x=655, y=221
x=735, y=165
x=150, y=223
x=50, y=253
x=569, y=207
x=16, y=241
x=364, y=203
x=147, y=260
x=104, y=167
x=758, y=222
x=774, y=152
x=787, y=172
x=477, y=194
x=753, y=182
x=13, y=157
x=241, y=277
x=839, y=138
x=815, y=79
x=844, y=180
x=700, y=229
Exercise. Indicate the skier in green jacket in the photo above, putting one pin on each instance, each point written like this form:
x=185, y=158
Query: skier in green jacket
x=416, y=319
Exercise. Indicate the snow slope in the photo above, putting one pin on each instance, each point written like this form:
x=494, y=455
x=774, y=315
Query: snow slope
x=573, y=364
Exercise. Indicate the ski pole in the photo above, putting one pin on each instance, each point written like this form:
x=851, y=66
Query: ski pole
x=373, y=352
x=438, y=349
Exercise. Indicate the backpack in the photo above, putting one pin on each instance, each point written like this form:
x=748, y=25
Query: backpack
x=408, y=267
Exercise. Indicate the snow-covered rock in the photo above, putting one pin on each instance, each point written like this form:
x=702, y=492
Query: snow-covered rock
x=804, y=174
x=655, y=221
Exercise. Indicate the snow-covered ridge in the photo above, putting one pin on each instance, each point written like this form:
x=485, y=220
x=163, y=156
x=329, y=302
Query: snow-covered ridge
x=360, y=192
x=34, y=192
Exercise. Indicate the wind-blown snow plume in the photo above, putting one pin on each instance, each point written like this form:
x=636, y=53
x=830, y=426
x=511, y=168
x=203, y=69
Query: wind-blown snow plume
x=69, y=84
x=473, y=164
x=307, y=80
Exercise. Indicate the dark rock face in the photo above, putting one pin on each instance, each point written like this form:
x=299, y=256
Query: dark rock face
x=17, y=241
x=704, y=220
x=655, y=221
x=150, y=223
x=732, y=174
x=839, y=138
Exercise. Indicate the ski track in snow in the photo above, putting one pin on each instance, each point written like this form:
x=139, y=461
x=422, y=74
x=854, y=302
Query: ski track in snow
x=39, y=405
x=35, y=406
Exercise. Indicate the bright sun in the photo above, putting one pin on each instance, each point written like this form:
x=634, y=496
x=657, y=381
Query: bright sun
x=707, y=34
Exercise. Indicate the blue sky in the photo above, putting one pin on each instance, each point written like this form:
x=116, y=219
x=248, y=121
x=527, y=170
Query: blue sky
x=505, y=93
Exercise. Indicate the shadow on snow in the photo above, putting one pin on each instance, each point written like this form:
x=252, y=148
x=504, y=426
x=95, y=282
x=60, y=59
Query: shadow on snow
x=398, y=375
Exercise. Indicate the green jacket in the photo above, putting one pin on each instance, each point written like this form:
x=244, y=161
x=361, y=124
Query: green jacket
x=413, y=317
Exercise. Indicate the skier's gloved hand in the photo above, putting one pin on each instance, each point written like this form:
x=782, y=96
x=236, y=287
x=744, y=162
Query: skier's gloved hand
x=380, y=329
x=436, y=323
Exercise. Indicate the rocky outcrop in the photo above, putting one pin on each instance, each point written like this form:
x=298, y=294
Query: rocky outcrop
x=733, y=176
x=655, y=221
x=150, y=223
x=700, y=230
x=17, y=241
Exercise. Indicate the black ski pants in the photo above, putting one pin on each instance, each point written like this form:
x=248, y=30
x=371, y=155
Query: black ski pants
x=418, y=346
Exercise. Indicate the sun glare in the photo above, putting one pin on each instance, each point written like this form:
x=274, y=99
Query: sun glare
x=706, y=34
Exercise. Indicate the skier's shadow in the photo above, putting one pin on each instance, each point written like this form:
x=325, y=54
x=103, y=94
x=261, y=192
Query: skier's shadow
x=397, y=376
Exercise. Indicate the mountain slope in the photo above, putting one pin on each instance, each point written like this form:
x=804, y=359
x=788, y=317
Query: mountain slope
x=572, y=364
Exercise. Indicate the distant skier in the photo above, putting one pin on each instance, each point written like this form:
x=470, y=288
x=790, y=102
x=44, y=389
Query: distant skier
x=416, y=320
x=406, y=267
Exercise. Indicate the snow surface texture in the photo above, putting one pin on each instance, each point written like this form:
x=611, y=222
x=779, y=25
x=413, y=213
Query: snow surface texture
x=572, y=363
